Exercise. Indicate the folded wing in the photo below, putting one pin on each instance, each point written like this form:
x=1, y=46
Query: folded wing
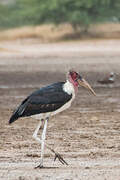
x=47, y=99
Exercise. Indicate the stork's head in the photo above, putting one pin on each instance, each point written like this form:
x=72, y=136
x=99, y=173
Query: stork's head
x=77, y=80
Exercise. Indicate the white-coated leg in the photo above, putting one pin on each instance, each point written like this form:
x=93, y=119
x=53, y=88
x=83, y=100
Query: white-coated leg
x=36, y=132
x=42, y=140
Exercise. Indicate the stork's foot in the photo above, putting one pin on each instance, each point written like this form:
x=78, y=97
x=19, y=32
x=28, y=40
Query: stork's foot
x=40, y=166
x=57, y=155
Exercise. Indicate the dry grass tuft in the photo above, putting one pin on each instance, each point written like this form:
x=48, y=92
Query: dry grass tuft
x=107, y=30
x=43, y=32
x=51, y=33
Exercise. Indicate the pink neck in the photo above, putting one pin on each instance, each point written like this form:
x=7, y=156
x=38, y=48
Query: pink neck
x=75, y=84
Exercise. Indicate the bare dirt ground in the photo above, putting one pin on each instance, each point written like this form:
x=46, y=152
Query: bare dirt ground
x=87, y=135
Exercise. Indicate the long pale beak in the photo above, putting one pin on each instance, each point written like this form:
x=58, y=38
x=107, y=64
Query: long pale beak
x=85, y=84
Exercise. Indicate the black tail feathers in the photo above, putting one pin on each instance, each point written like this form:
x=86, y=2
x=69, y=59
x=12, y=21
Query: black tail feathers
x=18, y=112
x=14, y=117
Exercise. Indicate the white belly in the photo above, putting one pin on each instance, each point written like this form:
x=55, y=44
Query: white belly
x=64, y=107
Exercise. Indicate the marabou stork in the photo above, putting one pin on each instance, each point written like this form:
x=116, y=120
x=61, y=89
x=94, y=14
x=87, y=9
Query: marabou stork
x=48, y=101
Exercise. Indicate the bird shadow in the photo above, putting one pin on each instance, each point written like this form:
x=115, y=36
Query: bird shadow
x=46, y=167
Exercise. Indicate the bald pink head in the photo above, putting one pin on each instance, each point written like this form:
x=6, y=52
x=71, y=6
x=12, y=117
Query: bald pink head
x=73, y=77
x=77, y=80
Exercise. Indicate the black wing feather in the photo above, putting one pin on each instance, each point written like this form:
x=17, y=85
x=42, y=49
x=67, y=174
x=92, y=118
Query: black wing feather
x=46, y=99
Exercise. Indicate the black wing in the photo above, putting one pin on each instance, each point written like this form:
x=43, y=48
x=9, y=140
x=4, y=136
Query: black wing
x=44, y=100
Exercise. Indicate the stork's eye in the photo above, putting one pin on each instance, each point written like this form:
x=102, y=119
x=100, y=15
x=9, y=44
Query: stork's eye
x=75, y=76
x=80, y=77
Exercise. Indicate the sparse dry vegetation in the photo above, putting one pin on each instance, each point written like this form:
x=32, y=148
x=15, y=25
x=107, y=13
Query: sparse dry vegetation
x=43, y=32
x=107, y=30
x=51, y=33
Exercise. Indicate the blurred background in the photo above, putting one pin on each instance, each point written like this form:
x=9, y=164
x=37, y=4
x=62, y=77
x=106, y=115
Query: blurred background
x=40, y=40
x=58, y=20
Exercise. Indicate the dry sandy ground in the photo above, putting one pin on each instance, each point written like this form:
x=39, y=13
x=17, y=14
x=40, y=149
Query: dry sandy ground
x=87, y=135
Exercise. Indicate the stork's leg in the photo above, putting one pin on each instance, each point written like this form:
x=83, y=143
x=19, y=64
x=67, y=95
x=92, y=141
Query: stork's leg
x=57, y=155
x=41, y=141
